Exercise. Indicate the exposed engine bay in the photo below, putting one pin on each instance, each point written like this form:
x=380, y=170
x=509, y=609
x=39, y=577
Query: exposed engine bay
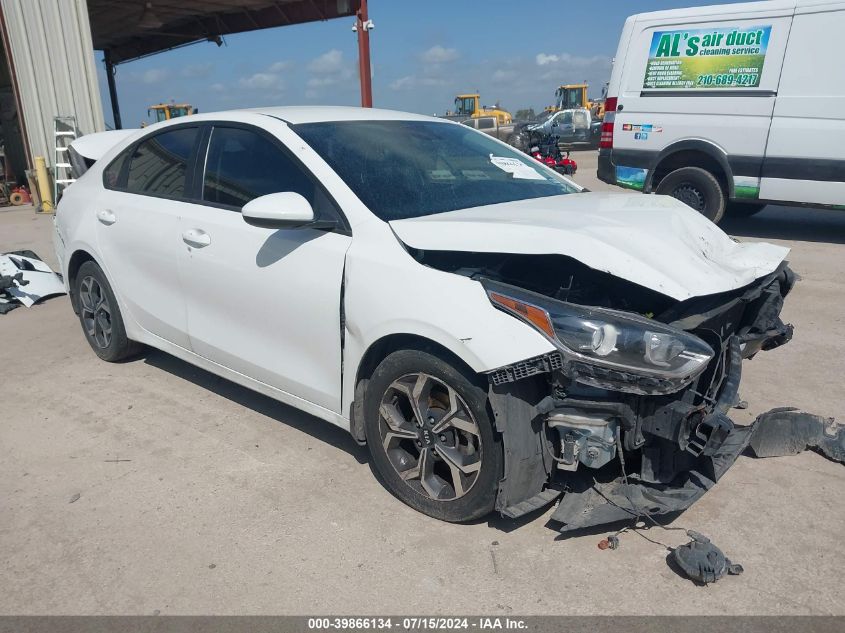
x=630, y=417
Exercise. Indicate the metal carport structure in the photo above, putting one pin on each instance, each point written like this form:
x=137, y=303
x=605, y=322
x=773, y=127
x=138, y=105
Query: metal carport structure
x=126, y=30
x=47, y=65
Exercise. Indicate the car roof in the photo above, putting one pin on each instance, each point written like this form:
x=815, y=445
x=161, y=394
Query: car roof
x=315, y=114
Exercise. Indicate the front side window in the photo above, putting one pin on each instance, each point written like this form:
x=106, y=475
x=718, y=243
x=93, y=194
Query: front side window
x=242, y=165
x=580, y=119
x=159, y=164
x=565, y=119
x=407, y=169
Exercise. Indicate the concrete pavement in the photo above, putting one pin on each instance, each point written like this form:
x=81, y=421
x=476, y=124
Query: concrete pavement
x=151, y=486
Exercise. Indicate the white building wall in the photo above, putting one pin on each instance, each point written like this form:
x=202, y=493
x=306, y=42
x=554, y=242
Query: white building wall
x=53, y=58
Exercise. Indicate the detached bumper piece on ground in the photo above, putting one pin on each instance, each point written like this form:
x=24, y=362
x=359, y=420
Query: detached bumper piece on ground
x=26, y=280
x=616, y=452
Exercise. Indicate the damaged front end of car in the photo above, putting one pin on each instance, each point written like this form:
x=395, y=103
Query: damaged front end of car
x=629, y=415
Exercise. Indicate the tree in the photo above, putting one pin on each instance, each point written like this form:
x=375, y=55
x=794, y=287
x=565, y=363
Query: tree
x=525, y=114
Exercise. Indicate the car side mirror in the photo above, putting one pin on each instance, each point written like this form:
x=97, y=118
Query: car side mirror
x=284, y=210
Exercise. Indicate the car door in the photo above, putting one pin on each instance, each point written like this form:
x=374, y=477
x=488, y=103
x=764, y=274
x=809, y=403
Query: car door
x=562, y=126
x=265, y=303
x=805, y=159
x=581, y=126
x=137, y=228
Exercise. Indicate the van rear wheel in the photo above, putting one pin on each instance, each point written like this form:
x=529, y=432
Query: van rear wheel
x=696, y=188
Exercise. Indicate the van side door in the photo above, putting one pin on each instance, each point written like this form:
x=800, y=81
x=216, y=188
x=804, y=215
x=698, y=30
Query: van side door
x=805, y=159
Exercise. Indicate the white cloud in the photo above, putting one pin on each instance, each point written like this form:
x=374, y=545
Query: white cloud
x=327, y=63
x=330, y=69
x=439, y=55
x=322, y=82
x=280, y=66
x=261, y=81
x=218, y=87
x=155, y=75
x=567, y=60
x=403, y=83
x=410, y=82
x=543, y=59
x=193, y=71
x=504, y=75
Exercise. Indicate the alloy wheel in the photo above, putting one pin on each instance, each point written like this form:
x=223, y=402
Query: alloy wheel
x=96, y=312
x=430, y=436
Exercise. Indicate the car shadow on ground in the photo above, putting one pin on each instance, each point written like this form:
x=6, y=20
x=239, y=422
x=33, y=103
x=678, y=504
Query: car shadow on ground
x=790, y=223
x=301, y=421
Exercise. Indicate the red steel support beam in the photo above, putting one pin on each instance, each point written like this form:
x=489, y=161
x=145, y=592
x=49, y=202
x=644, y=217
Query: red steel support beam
x=363, y=29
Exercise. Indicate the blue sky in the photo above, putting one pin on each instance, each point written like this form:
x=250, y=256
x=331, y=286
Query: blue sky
x=423, y=53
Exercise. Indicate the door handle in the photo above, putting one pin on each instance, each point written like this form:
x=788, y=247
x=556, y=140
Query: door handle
x=106, y=216
x=196, y=238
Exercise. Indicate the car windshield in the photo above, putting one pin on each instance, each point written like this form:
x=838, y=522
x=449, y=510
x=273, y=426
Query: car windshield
x=409, y=169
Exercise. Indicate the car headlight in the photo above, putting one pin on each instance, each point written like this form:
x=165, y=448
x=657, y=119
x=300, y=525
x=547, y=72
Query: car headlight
x=608, y=348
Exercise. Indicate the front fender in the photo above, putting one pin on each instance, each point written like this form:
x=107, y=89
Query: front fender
x=386, y=292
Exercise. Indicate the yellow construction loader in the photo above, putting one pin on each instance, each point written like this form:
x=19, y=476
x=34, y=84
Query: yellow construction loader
x=571, y=96
x=469, y=106
x=167, y=111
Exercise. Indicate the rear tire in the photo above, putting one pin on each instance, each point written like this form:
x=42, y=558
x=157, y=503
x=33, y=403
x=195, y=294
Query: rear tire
x=100, y=315
x=447, y=464
x=698, y=189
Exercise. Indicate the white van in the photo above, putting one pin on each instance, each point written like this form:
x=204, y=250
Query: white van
x=730, y=107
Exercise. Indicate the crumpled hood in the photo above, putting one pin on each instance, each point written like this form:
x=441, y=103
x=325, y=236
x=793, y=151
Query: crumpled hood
x=654, y=241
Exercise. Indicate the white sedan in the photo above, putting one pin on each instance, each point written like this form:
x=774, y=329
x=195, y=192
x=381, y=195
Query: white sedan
x=493, y=333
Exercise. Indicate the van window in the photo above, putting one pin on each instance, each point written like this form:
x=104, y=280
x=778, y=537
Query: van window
x=159, y=164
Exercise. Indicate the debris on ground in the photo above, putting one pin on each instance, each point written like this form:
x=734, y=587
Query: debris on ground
x=702, y=561
x=25, y=280
x=789, y=431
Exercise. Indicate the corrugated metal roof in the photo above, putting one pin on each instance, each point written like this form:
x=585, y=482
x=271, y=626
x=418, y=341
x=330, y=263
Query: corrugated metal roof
x=53, y=56
x=130, y=29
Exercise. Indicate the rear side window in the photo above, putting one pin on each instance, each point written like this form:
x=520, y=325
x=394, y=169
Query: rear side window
x=112, y=173
x=486, y=123
x=159, y=165
x=242, y=165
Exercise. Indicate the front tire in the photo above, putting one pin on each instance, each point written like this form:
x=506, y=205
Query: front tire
x=431, y=437
x=100, y=315
x=698, y=189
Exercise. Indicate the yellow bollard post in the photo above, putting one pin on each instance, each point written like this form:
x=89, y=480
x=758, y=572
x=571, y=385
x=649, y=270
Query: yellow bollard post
x=44, y=188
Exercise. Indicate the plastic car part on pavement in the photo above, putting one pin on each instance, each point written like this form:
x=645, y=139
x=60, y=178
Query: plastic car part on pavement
x=702, y=561
x=788, y=431
x=40, y=280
